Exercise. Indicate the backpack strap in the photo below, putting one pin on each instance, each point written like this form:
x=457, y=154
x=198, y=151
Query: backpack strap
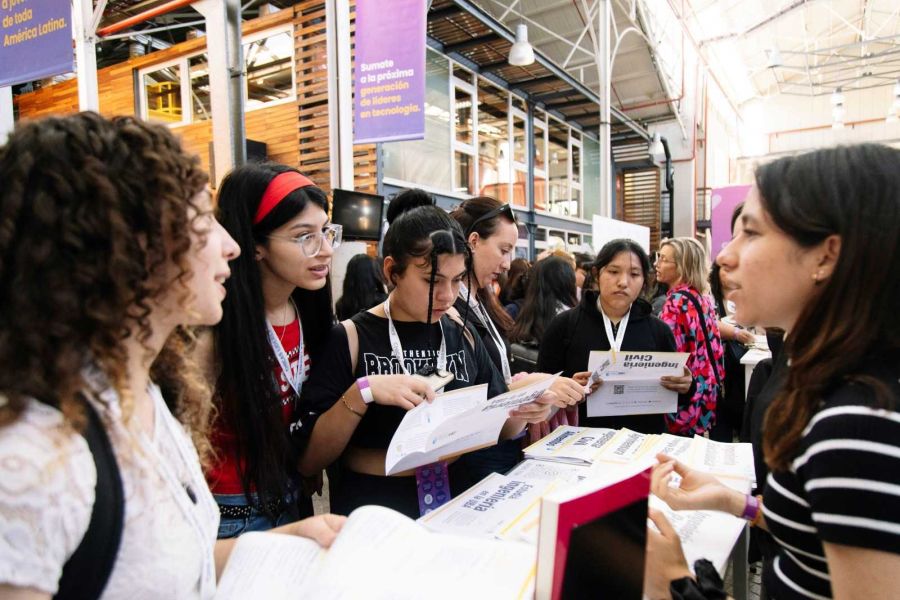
x=712, y=357
x=87, y=571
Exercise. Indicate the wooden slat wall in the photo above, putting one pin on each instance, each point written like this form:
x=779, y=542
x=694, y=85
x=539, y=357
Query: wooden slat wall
x=310, y=50
x=295, y=134
x=641, y=201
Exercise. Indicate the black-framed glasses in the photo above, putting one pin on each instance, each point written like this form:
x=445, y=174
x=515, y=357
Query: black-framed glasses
x=504, y=209
x=311, y=243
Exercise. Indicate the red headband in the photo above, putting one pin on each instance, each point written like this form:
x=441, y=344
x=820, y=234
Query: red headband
x=278, y=188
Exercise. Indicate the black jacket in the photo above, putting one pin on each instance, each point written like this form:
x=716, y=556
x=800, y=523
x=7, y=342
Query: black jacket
x=573, y=334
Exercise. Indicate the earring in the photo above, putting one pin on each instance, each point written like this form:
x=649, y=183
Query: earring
x=815, y=277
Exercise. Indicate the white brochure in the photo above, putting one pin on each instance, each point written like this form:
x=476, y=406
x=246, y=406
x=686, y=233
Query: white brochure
x=630, y=382
x=488, y=509
x=455, y=423
x=568, y=444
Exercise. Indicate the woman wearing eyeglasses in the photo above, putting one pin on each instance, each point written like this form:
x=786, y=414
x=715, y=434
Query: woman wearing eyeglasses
x=366, y=386
x=276, y=316
x=491, y=232
x=682, y=265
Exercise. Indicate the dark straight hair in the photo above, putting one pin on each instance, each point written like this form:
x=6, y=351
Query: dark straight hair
x=468, y=214
x=613, y=248
x=851, y=192
x=550, y=284
x=363, y=287
x=246, y=392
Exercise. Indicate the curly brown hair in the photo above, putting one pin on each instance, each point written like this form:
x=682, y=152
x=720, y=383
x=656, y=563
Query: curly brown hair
x=91, y=211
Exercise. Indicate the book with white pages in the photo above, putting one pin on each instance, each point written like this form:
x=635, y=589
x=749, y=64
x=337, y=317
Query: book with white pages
x=625, y=446
x=708, y=534
x=490, y=508
x=722, y=459
x=569, y=444
x=379, y=555
x=456, y=422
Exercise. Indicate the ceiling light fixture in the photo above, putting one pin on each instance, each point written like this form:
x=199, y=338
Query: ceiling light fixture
x=893, y=114
x=521, y=53
x=655, y=149
x=837, y=110
x=773, y=58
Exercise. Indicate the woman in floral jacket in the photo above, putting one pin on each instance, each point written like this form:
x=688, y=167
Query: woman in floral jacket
x=681, y=264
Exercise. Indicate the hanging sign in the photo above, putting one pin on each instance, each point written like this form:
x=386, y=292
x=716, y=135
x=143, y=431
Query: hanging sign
x=389, y=74
x=35, y=40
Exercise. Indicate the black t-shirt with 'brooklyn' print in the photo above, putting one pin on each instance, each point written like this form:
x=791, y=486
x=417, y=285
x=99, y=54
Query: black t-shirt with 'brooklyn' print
x=333, y=375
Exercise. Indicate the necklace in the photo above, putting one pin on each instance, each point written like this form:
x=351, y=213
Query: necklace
x=284, y=328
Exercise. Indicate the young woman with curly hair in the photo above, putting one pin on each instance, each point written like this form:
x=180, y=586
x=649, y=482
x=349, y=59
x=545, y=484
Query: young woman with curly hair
x=109, y=251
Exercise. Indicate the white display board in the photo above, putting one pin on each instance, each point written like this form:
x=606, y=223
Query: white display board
x=606, y=229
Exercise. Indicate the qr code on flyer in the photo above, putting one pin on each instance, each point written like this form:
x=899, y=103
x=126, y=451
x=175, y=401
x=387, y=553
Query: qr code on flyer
x=618, y=390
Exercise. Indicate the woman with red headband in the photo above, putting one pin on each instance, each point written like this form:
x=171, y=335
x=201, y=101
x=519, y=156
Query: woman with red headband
x=276, y=315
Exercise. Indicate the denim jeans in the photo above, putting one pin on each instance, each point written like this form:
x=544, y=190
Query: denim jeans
x=257, y=521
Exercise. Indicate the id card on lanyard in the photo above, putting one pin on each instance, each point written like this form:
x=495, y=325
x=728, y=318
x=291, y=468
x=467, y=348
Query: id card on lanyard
x=293, y=377
x=397, y=349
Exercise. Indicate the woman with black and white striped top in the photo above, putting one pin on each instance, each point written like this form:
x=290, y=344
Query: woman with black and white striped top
x=816, y=254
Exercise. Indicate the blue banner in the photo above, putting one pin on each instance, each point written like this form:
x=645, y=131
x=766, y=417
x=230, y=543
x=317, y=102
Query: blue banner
x=35, y=39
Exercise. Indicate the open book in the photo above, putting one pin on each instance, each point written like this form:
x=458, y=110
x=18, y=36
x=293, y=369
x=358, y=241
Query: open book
x=455, y=423
x=379, y=554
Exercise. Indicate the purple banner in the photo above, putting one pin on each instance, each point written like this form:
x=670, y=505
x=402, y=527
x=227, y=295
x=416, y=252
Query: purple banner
x=389, y=78
x=723, y=202
x=36, y=40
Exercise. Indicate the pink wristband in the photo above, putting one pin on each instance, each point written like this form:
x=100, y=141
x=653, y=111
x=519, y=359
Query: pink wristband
x=364, y=390
x=751, y=508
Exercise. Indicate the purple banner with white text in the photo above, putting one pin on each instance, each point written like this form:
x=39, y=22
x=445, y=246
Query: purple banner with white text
x=389, y=78
x=36, y=40
x=723, y=202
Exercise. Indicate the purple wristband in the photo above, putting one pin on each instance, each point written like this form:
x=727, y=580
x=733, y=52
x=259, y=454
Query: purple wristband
x=751, y=508
x=364, y=390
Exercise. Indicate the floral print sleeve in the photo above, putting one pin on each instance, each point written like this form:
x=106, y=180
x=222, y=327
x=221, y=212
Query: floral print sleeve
x=680, y=314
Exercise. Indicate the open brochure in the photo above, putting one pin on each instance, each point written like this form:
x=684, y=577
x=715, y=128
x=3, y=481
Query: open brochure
x=631, y=382
x=455, y=423
x=723, y=459
x=379, y=554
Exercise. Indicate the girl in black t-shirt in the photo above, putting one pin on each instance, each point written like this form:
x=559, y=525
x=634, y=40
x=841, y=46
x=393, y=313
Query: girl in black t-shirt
x=362, y=394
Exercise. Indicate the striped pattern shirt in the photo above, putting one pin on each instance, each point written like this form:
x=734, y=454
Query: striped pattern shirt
x=843, y=488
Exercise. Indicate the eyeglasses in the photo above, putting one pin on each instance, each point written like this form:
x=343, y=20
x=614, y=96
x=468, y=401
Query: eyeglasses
x=659, y=258
x=504, y=209
x=311, y=243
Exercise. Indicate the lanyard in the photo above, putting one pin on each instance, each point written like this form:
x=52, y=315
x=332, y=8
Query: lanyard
x=191, y=510
x=294, y=377
x=397, y=349
x=485, y=319
x=615, y=343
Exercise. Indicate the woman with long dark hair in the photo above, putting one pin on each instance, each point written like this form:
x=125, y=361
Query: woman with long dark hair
x=551, y=290
x=425, y=257
x=615, y=317
x=491, y=232
x=809, y=258
x=109, y=254
x=276, y=316
x=363, y=287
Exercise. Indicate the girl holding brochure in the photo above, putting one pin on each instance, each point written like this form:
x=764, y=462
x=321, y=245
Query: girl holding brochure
x=491, y=232
x=109, y=253
x=275, y=318
x=809, y=258
x=615, y=318
x=409, y=334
